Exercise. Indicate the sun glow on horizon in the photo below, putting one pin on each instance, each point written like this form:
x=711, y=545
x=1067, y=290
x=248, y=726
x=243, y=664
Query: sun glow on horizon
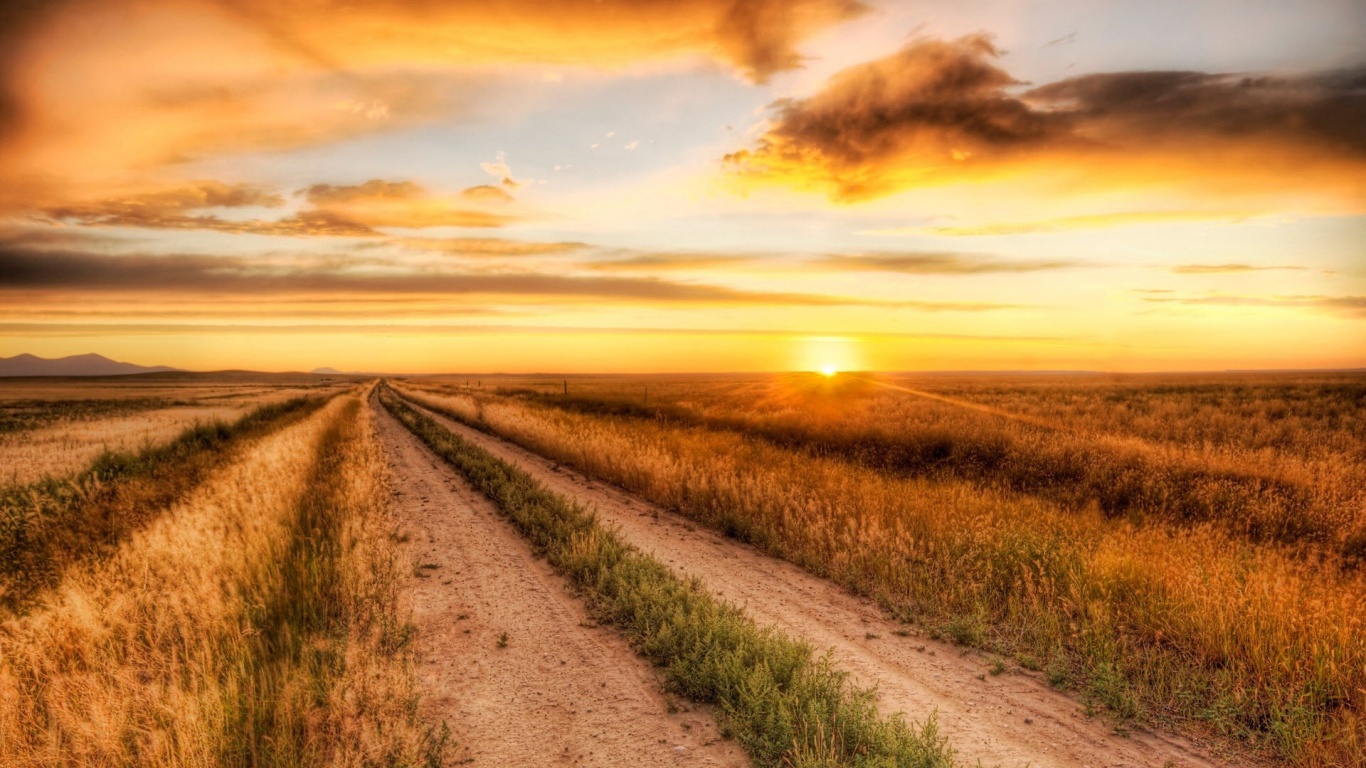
x=829, y=355
x=617, y=187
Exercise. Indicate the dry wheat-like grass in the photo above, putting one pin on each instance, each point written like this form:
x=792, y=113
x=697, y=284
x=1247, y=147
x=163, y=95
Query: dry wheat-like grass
x=258, y=621
x=71, y=441
x=66, y=448
x=1189, y=624
x=1271, y=457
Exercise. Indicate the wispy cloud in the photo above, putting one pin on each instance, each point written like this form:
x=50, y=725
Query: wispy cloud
x=940, y=263
x=153, y=329
x=1220, y=269
x=382, y=203
x=26, y=269
x=488, y=247
x=1354, y=306
x=1084, y=221
x=661, y=261
x=334, y=210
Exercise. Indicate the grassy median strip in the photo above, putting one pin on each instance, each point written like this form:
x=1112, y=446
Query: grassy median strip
x=785, y=706
x=46, y=526
x=327, y=677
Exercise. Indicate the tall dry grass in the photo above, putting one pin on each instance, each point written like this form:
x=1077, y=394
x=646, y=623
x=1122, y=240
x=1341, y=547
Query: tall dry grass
x=58, y=436
x=53, y=524
x=787, y=707
x=1272, y=458
x=1184, y=625
x=259, y=622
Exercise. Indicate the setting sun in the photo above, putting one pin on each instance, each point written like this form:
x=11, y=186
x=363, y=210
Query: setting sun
x=829, y=370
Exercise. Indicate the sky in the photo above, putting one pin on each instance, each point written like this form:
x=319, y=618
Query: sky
x=685, y=185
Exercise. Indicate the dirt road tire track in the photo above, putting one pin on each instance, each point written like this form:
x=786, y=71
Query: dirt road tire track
x=562, y=692
x=1009, y=720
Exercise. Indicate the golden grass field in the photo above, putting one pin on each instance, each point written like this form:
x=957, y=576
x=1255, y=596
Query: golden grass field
x=56, y=428
x=1181, y=550
x=255, y=619
x=1183, y=553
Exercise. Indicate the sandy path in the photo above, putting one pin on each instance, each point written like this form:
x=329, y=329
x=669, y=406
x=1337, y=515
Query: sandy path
x=1009, y=720
x=562, y=692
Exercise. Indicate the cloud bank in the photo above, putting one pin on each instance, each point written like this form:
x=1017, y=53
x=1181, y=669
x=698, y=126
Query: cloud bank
x=940, y=112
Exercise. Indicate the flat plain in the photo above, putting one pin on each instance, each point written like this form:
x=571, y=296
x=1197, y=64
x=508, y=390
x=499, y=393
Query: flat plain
x=796, y=569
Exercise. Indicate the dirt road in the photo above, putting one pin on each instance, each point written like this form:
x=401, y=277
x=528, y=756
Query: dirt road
x=1009, y=720
x=557, y=690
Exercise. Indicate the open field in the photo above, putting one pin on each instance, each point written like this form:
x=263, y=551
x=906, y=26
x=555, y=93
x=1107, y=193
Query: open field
x=1205, y=580
x=772, y=571
x=256, y=620
x=55, y=427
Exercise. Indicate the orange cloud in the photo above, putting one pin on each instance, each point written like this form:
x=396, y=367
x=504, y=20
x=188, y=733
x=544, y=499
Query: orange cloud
x=939, y=112
x=183, y=208
x=379, y=203
x=164, y=207
x=489, y=247
x=94, y=90
x=757, y=37
x=487, y=193
x=336, y=210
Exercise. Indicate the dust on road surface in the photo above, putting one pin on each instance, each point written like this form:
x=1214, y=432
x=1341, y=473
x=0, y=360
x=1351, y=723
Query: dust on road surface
x=1009, y=720
x=562, y=691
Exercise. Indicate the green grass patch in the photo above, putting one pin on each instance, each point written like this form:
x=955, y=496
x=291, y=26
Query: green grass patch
x=784, y=705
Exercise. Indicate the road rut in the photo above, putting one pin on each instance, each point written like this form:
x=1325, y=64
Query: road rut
x=561, y=691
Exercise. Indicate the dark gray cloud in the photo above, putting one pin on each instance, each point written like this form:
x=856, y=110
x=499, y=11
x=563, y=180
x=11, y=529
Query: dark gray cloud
x=26, y=269
x=1324, y=112
x=946, y=109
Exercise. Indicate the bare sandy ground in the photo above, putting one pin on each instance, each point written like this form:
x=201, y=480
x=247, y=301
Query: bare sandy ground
x=1010, y=720
x=562, y=691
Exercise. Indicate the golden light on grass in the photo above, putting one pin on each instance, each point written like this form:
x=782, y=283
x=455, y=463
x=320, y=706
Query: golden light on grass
x=1182, y=534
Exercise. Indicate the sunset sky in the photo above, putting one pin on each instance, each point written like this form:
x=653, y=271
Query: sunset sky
x=685, y=185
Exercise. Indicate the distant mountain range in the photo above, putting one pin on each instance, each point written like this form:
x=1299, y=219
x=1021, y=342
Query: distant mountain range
x=76, y=365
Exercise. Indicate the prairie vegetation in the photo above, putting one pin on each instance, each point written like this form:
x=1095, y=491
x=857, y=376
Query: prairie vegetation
x=49, y=525
x=257, y=621
x=783, y=706
x=1180, y=551
x=1273, y=458
x=58, y=430
x=21, y=415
